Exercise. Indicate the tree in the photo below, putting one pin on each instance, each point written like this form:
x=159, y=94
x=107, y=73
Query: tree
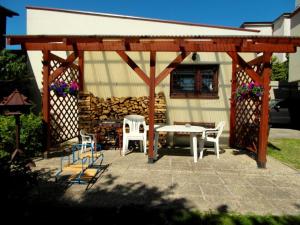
x=12, y=66
x=280, y=70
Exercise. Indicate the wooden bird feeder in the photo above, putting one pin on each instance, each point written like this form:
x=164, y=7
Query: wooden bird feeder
x=14, y=105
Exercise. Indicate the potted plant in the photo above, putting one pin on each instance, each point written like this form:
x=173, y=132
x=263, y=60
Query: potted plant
x=61, y=88
x=250, y=90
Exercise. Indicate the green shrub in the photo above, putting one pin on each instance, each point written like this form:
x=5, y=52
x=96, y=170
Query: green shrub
x=31, y=137
x=7, y=134
x=31, y=134
x=280, y=70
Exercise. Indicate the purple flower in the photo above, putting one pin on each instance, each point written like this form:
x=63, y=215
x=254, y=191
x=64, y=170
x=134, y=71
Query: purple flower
x=61, y=88
x=249, y=90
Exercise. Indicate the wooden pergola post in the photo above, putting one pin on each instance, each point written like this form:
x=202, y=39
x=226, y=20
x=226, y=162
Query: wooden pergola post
x=46, y=98
x=232, y=99
x=151, y=106
x=81, y=69
x=264, y=122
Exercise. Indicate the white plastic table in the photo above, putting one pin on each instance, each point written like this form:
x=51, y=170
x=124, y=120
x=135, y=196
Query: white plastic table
x=193, y=130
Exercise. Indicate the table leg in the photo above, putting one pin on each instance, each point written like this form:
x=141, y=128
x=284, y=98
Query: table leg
x=191, y=144
x=194, y=137
x=156, y=134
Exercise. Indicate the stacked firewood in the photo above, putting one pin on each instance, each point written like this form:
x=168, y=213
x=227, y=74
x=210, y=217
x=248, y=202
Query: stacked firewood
x=93, y=110
x=115, y=108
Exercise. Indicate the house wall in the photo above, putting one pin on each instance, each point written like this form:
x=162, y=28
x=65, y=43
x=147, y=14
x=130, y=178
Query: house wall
x=282, y=27
x=264, y=29
x=294, y=66
x=107, y=75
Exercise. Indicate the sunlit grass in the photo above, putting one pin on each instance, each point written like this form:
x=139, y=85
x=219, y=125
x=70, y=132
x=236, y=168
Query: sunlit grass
x=285, y=150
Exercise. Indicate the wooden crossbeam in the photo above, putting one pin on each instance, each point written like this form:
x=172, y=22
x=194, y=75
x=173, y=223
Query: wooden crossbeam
x=162, y=46
x=19, y=39
x=266, y=47
x=64, y=66
x=245, y=66
x=134, y=66
x=171, y=67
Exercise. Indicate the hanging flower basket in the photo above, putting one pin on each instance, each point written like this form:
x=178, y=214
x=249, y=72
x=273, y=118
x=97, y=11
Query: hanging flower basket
x=250, y=90
x=61, y=88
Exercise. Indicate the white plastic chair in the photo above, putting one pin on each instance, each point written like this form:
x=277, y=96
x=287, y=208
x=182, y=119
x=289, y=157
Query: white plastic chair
x=206, y=138
x=134, y=123
x=86, y=140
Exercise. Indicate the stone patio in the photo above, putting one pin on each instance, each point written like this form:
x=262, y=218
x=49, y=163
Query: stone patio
x=232, y=183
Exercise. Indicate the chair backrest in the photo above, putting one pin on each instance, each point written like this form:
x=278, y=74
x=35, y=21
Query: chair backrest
x=134, y=123
x=220, y=128
x=84, y=136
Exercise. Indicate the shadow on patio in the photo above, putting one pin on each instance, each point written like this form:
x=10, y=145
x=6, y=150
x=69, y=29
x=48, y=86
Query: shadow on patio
x=132, y=191
x=134, y=203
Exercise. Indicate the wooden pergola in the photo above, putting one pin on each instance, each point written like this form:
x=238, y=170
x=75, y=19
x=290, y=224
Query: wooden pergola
x=257, y=70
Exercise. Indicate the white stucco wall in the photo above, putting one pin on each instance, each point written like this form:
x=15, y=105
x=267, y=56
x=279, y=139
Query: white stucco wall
x=41, y=21
x=282, y=27
x=83, y=24
x=294, y=66
x=265, y=30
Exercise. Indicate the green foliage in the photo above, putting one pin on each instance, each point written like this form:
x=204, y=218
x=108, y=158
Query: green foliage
x=31, y=134
x=280, y=70
x=7, y=133
x=12, y=66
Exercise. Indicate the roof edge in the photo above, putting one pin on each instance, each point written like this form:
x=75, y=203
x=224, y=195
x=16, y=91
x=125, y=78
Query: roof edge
x=295, y=12
x=257, y=23
x=9, y=12
x=140, y=18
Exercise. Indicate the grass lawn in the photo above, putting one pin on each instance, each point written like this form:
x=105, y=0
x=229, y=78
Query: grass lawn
x=285, y=150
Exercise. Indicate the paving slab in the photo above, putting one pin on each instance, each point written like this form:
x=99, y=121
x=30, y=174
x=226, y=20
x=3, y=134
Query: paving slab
x=232, y=183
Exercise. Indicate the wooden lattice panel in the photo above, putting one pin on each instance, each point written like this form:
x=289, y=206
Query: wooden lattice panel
x=247, y=117
x=63, y=110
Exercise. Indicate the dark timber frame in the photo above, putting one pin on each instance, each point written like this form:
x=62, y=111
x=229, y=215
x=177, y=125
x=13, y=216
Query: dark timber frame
x=258, y=69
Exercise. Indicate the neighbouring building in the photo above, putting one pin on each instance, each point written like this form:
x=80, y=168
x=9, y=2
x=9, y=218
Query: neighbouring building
x=294, y=66
x=287, y=24
x=4, y=13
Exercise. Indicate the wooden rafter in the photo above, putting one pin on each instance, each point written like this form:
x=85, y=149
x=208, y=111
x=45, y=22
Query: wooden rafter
x=171, y=67
x=134, y=66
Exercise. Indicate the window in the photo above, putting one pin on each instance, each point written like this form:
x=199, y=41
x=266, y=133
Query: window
x=194, y=81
